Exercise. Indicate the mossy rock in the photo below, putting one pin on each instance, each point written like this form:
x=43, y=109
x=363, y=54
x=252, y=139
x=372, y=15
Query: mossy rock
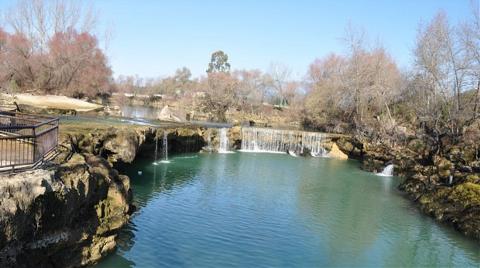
x=467, y=194
x=469, y=154
x=455, y=154
x=473, y=178
x=444, y=167
x=475, y=166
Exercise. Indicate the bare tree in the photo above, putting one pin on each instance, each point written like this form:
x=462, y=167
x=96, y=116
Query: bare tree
x=357, y=88
x=40, y=20
x=279, y=76
x=53, y=50
x=470, y=40
x=443, y=64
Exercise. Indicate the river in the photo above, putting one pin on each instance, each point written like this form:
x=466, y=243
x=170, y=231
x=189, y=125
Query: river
x=274, y=210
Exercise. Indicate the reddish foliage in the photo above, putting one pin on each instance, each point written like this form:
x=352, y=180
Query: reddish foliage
x=72, y=64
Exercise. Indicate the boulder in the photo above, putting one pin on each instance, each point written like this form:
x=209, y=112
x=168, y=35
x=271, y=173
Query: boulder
x=166, y=114
x=336, y=153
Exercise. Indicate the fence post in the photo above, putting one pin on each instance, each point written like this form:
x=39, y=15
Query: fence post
x=19, y=145
x=34, y=145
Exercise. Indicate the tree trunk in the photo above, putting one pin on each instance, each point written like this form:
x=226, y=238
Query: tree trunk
x=477, y=100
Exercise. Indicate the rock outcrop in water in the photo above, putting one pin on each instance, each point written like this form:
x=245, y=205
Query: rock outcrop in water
x=65, y=215
x=335, y=152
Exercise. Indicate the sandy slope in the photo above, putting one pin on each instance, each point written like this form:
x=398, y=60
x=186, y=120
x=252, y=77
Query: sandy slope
x=55, y=102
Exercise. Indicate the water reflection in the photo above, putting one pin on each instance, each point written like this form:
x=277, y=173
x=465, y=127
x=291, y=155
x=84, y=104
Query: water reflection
x=139, y=112
x=156, y=179
x=247, y=210
x=361, y=217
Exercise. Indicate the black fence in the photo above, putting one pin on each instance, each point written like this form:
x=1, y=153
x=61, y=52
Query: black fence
x=25, y=140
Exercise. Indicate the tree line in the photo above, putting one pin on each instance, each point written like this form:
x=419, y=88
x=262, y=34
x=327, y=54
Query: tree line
x=221, y=88
x=51, y=47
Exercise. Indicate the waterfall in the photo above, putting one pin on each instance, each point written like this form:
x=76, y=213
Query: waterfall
x=209, y=141
x=223, y=146
x=165, y=148
x=156, y=151
x=265, y=140
x=387, y=171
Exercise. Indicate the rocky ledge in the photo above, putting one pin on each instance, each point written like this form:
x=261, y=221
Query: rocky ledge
x=67, y=213
x=64, y=215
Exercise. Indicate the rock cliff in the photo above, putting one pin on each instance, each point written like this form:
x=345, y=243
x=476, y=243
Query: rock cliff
x=64, y=215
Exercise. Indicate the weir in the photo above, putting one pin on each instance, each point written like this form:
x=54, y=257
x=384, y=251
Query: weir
x=282, y=141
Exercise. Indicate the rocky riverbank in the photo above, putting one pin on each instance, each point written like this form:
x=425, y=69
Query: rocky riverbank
x=63, y=215
x=441, y=177
x=444, y=182
x=68, y=212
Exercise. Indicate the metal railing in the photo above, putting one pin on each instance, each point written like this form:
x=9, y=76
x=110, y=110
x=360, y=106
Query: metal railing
x=25, y=139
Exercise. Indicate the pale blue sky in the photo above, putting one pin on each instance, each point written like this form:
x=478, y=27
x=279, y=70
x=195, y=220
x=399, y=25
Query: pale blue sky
x=154, y=37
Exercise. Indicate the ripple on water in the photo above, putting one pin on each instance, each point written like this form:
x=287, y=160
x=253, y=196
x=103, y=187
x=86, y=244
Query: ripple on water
x=260, y=210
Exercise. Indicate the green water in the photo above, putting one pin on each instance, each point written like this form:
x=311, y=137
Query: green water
x=267, y=210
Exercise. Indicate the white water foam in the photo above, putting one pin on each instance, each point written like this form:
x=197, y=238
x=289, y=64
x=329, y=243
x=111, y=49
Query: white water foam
x=267, y=140
x=223, y=146
x=387, y=171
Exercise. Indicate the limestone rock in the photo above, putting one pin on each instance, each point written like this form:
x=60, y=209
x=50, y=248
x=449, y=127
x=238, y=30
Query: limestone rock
x=336, y=153
x=114, y=144
x=122, y=145
x=166, y=114
x=66, y=215
x=351, y=147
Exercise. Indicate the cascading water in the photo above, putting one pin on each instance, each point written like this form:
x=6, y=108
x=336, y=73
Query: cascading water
x=223, y=145
x=209, y=141
x=387, y=171
x=156, y=151
x=264, y=140
x=165, y=148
